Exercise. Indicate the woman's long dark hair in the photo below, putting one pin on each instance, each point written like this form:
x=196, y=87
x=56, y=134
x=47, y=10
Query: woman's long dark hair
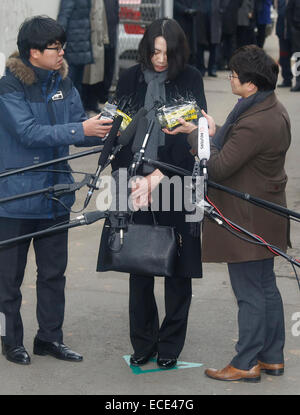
x=178, y=51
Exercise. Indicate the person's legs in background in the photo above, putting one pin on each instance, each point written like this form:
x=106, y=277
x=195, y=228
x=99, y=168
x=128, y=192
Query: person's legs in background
x=285, y=55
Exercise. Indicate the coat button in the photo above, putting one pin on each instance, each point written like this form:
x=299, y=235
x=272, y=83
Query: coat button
x=73, y=131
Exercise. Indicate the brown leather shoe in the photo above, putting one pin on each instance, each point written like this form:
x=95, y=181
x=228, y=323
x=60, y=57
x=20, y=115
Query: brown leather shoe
x=230, y=373
x=273, y=369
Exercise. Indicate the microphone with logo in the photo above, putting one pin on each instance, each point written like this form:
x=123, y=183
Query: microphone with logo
x=203, y=149
x=200, y=176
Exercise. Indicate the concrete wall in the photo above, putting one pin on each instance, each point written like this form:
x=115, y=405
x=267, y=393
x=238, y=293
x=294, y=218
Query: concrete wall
x=12, y=14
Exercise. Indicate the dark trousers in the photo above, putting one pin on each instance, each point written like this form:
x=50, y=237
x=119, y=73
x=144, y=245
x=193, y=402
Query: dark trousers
x=260, y=315
x=51, y=261
x=99, y=92
x=76, y=74
x=227, y=48
x=261, y=35
x=245, y=35
x=145, y=333
x=285, y=50
x=212, y=60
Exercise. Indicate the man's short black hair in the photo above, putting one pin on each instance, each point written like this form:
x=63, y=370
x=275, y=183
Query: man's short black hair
x=38, y=32
x=252, y=64
x=177, y=46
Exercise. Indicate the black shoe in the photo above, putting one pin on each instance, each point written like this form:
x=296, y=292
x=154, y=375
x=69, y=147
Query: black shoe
x=166, y=363
x=296, y=88
x=55, y=349
x=285, y=84
x=16, y=354
x=140, y=361
x=213, y=73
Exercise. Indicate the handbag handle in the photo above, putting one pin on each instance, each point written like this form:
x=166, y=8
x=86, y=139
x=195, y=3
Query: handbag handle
x=153, y=217
x=113, y=234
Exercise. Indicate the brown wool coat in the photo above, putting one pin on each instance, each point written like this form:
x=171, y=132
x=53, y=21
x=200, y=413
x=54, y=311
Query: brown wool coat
x=251, y=161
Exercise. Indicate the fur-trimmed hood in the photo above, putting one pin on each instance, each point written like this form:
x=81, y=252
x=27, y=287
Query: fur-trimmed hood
x=25, y=73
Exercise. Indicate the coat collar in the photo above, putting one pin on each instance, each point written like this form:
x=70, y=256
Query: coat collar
x=25, y=73
x=268, y=103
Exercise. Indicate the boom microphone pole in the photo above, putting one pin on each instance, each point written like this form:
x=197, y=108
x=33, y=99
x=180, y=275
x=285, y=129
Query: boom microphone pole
x=94, y=150
x=85, y=219
x=56, y=190
x=277, y=209
x=256, y=201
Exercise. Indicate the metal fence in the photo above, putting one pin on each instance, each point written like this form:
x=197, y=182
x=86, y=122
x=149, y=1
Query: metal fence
x=135, y=15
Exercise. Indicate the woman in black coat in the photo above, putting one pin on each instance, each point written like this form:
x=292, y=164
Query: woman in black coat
x=162, y=74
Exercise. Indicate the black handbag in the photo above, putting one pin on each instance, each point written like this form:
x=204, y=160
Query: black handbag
x=149, y=250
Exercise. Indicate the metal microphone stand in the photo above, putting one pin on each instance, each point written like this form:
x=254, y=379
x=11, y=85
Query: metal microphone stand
x=51, y=191
x=280, y=210
x=95, y=150
x=85, y=219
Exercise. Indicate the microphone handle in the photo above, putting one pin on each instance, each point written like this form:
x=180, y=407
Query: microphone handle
x=203, y=164
x=92, y=186
x=138, y=157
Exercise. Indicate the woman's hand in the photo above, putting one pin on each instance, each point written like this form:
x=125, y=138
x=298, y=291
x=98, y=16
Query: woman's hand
x=142, y=189
x=95, y=127
x=185, y=127
x=211, y=124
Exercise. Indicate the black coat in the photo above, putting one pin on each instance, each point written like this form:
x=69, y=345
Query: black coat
x=293, y=19
x=230, y=16
x=74, y=16
x=188, y=21
x=112, y=16
x=207, y=21
x=176, y=151
x=282, y=26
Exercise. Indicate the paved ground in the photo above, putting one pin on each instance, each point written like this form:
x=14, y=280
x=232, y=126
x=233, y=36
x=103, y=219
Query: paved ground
x=96, y=321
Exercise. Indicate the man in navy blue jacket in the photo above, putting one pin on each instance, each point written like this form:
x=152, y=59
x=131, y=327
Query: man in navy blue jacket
x=40, y=116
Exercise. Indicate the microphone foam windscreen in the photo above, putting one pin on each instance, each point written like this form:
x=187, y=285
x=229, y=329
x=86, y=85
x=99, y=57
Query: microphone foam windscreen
x=109, y=142
x=140, y=134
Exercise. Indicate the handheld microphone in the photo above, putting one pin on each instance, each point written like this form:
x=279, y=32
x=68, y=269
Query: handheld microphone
x=109, y=143
x=203, y=141
x=128, y=134
x=90, y=217
x=203, y=148
x=199, y=176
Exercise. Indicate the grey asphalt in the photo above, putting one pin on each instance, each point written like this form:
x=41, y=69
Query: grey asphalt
x=96, y=320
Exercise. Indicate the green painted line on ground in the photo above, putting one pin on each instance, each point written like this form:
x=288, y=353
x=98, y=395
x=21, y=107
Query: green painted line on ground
x=138, y=370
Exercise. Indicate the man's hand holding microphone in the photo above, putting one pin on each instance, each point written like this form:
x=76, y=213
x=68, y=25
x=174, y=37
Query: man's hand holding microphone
x=97, y=127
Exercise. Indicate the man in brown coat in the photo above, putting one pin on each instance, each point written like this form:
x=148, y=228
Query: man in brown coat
x=248, y=155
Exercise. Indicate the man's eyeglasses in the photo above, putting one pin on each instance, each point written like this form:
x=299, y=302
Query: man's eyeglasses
x=58, y=48
x=231, y=76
